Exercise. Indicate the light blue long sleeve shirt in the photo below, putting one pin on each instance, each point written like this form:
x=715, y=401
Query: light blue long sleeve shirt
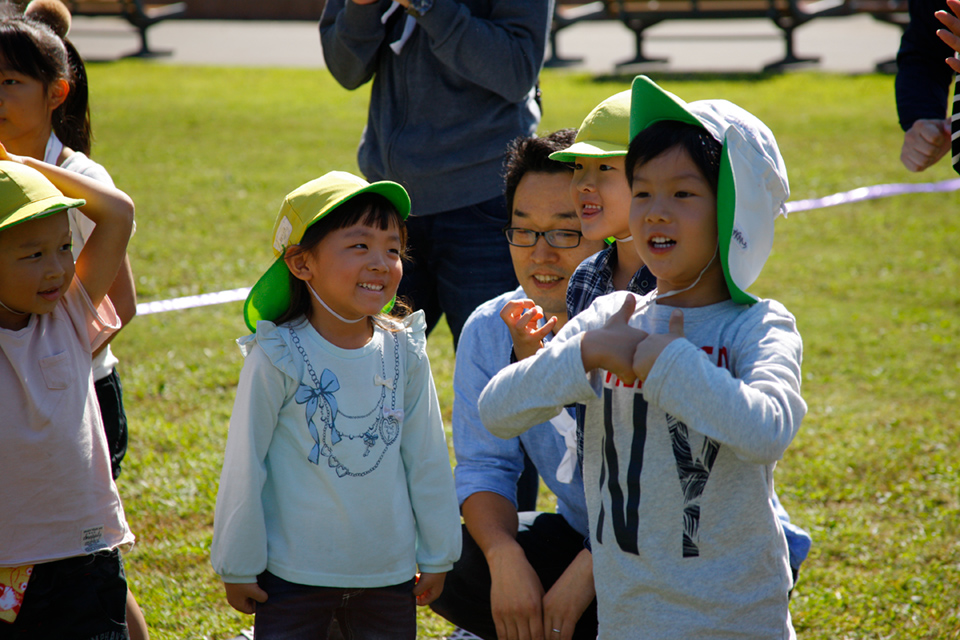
x=488, y=463
x=319, y=486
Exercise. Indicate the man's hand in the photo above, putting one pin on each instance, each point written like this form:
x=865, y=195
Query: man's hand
x=244, y=596
x=925, y=143
x=521, y=318
x=568, y=598
x=515, y=594
x=612, y=346
x=650, y=349
x=429, y=587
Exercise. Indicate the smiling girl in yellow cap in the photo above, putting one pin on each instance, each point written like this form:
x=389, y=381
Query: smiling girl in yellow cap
x=336, y=487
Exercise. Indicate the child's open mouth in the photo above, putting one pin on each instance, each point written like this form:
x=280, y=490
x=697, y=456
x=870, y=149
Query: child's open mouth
x=590, y=210
x=660, y=242
x=50, y=294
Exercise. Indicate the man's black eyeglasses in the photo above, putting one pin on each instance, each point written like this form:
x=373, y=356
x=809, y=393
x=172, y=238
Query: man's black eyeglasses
x=557, y=238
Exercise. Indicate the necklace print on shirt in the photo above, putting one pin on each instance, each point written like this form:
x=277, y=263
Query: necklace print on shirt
x=353, y=445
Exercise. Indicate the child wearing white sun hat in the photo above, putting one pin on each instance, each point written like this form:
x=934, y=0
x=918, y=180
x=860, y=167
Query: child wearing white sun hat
x=692, y=391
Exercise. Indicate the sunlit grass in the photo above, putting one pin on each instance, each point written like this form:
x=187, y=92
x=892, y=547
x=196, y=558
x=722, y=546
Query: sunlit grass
x=209, y=153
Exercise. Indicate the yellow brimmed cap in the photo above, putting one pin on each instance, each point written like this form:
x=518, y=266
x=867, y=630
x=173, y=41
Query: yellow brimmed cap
x=25, y=194
x=604, y=133
x=302, y=207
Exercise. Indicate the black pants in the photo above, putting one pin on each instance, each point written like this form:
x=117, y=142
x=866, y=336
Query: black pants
x=81, y=598
x=550, y=545
x=110, y=399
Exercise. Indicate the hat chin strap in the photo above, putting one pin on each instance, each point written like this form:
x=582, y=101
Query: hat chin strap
x=695, y=282
x=16, y=313
x=325, y=306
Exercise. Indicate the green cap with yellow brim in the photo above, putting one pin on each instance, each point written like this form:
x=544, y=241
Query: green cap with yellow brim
x=604, y=133
x=26, y=194
x=302, y=207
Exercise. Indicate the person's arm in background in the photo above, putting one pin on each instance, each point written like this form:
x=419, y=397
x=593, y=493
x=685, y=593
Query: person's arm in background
x=123, y=295
x=123, y=291
x=502, y=52
x=922, y=86
x=351, y=34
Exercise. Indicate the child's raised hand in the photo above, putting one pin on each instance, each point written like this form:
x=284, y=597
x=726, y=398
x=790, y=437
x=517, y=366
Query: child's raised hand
x=650, y=348
x=6, y=155
x=244, y=596
x=612, y=346
x=429, y=587
x=521, y=317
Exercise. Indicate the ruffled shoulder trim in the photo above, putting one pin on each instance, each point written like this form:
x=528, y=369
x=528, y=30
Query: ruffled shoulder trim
x=415, y=330
x=274, y=341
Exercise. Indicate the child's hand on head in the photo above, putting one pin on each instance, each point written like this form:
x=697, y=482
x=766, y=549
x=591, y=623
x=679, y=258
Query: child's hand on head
x=521, y=317
x=612, y=346
x=650, y=349
x=429, y=587
x=244, y=596
x=6, y=155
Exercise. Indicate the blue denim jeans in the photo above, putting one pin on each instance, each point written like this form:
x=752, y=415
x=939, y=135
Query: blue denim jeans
x=302, y=612
x=459, y=259
x=81, y=598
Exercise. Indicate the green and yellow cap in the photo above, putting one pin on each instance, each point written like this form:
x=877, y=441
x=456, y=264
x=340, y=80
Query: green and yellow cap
x=26, y=194
x=604, y=133
x=302, y=207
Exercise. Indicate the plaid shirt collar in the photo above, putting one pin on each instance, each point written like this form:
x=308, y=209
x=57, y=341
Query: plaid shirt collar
x=594, y=278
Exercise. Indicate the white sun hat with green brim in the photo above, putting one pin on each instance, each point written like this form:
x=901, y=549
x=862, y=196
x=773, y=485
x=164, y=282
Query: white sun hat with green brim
x=303, y=206
x=753, y=187
x=604, y=133
x=26, y=194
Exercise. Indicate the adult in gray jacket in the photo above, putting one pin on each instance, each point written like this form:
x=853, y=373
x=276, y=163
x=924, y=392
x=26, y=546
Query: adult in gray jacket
x=454, y=81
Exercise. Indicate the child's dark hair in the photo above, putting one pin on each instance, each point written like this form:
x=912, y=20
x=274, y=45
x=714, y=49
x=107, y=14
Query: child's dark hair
x=33, y=47
x=370, y=209
x=664, y=135
x=526, y=154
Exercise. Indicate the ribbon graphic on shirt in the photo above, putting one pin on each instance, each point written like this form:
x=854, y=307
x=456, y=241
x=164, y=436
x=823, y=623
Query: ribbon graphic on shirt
x=311, y=397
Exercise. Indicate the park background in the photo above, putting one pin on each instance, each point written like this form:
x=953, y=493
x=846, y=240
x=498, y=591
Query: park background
x=208, y=153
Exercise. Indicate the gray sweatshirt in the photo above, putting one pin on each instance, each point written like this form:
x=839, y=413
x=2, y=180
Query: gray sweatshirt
x=678, y=470
x=443, y=110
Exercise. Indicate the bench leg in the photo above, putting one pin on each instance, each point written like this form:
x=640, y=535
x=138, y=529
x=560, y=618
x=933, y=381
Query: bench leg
x=145, y=50
x=638, y=27
x=790, y=59
x=555, y=60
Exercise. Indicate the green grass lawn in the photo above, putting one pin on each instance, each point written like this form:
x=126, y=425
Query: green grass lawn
x=208, y=154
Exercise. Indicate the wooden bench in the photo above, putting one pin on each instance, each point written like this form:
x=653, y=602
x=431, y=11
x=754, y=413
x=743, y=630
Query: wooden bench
x=565, y=14
x=138, y=13
x=787, y=15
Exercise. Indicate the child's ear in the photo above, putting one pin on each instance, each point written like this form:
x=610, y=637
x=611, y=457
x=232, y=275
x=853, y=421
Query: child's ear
x=296, y=261
x=57, y=93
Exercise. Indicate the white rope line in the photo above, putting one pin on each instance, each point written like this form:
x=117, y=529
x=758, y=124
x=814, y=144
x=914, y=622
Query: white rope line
x=846, y=197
